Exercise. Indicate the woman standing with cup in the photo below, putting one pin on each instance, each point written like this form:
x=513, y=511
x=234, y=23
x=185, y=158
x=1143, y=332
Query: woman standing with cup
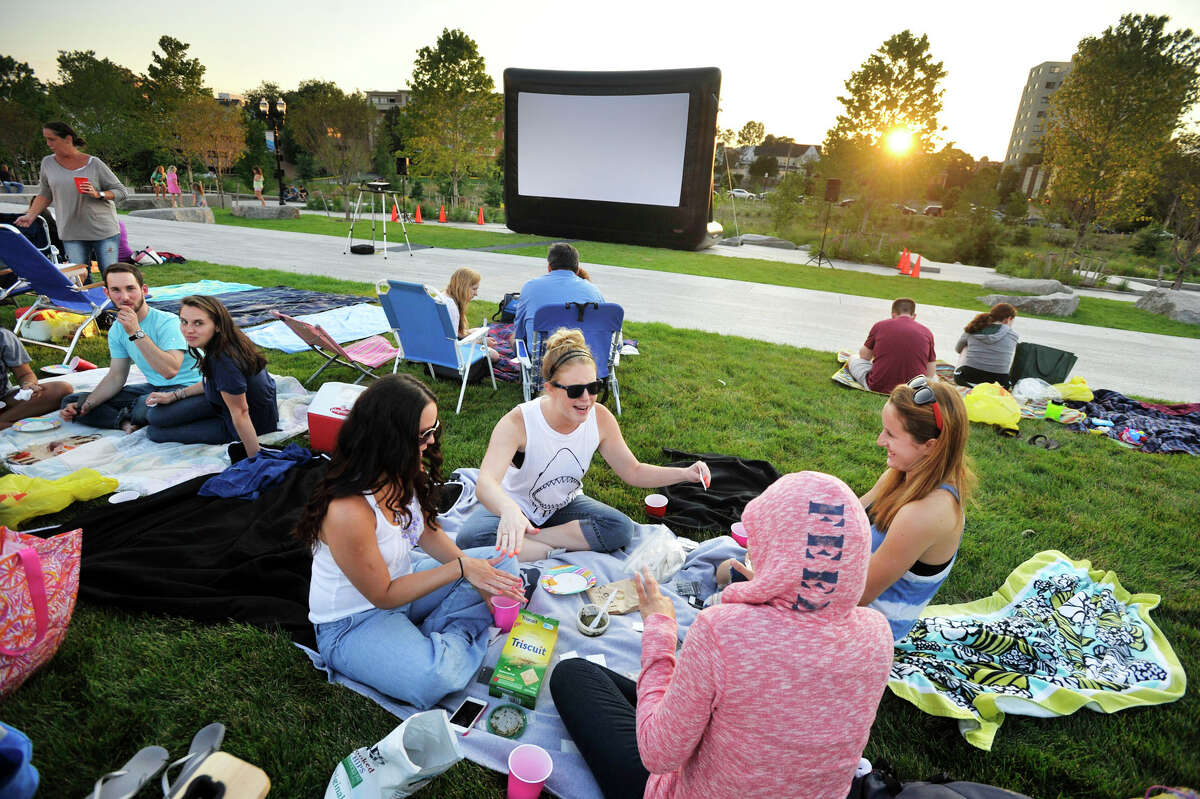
x=84, y=191
x=531, y=478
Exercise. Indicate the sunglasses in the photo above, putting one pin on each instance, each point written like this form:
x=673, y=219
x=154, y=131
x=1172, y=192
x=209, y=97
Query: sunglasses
x=428, y=435
x=923, y=395
x=576, y=391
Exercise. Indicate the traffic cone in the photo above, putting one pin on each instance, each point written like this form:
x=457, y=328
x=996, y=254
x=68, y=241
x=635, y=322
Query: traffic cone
x=916, y=270
x=418, y=220
x=395, y=212
x=481, y=214
x=903, y=263
x=442, y=214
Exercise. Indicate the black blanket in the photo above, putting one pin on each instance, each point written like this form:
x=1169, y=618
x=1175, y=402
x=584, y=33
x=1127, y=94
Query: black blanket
x=1168, y=428
x=735, y=482
x=254, y=306
x=206, y=558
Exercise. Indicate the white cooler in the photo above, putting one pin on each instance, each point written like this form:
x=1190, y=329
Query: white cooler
x=327, y=411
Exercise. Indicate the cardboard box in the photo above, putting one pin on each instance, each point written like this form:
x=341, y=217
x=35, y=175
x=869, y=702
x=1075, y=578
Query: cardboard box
x=524, y=659
x=328, y=410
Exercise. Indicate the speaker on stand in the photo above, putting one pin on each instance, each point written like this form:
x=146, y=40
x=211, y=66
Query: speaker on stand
x=833, y=187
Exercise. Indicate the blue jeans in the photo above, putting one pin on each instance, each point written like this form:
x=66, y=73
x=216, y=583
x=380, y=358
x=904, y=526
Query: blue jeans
x=13, y=187
x=127, y=405
x=80, y=252
x=605, y=528
x=419, y=652
x=192, y=420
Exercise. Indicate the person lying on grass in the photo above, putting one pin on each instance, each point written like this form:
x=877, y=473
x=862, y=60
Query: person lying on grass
x=775, y=689
x=531, y=478
x=410, y=624
x=235, y=400
x=916, y=505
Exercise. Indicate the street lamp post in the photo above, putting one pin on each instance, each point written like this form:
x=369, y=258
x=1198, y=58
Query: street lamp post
x=275, y=120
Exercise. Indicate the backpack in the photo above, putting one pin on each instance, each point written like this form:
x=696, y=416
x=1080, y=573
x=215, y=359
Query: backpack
x=882, y=783
x=146, y=256
x=507, y=311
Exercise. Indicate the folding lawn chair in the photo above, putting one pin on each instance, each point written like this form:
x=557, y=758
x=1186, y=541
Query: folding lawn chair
x=42, y=238
x=600, y=323
x=424, y=334
x=54, y=289
x=364, y=356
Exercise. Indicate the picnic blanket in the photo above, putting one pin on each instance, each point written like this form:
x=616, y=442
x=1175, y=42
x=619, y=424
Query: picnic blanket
x=254, y=306
x=944, y=371
x=1168, y=428
x=178, y=291
x=1057, y=636
x=348, y=323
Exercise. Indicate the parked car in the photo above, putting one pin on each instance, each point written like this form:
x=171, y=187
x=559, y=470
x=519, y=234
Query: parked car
x=846, y=202
x=742, y=194
x=932, y=210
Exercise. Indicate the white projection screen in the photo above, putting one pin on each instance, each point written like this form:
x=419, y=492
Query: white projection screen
x=611, y=156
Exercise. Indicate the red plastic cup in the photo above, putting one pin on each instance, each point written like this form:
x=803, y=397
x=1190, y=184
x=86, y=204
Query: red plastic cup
x=656, y=505
x=504, y=611
x=79, y=184
x=529, y=767
x=80, y=365
x=738, y=532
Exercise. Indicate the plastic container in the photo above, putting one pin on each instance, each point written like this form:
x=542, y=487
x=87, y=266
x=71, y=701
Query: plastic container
x=587, y=614
x=328, y=410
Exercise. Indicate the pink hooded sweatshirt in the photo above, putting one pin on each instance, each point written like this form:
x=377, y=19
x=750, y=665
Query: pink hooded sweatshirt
x=775, y=689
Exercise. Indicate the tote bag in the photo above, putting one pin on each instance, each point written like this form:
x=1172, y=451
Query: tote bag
x=39, y=580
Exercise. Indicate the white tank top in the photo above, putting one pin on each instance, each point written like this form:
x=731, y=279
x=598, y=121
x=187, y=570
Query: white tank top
x=331, y=595
x=552, y=473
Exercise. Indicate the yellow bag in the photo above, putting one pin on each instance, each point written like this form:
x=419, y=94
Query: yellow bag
x=24, y=497
x=989, y=403
x=1076, y=389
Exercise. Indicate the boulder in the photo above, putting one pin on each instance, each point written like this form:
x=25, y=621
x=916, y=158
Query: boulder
x=767, y=241
x=267, y=211
x=203, y=215
x=1059, y=304
x=1026, y=285
x=141, y=204
x=1182, y=306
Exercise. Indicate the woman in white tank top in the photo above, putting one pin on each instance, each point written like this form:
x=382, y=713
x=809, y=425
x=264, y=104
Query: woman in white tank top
x=531, y=478
x=395, y=603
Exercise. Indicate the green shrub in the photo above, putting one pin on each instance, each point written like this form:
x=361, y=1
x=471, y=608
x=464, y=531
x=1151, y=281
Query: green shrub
x=1145, y=243
x=979, y=244
x=1059, y=238
x=1021, y=236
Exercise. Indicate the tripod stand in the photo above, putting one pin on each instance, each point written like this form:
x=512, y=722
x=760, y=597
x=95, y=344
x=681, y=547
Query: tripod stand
x=368, y=249
x=821, y=256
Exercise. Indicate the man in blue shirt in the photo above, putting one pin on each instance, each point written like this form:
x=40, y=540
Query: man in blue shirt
x=146, y=336
x=561, y=284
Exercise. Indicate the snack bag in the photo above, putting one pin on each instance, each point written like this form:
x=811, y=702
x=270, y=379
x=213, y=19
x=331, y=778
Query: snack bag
x=524, y=659
x=401, y=764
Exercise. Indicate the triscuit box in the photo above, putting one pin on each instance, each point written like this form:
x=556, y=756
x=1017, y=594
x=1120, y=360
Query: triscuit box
x=524, y=659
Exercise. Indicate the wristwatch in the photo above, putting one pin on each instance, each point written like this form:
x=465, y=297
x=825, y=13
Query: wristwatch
x=137, y=335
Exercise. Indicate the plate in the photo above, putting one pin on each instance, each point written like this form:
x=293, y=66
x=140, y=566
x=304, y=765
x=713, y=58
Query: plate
x=568, y=580
x=123, y=496
x=57, y=369
x=37, y=424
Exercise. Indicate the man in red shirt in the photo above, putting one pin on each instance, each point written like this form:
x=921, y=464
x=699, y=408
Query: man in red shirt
x=896, y=350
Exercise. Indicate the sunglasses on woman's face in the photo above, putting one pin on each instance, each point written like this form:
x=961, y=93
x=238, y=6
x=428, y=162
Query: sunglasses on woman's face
x=575, y=391
x=427, y=436
x=923, y=395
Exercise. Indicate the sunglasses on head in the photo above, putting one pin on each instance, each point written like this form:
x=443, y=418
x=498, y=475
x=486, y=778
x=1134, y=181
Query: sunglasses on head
x=576, y=390
x=923, y=395
x=428, y=435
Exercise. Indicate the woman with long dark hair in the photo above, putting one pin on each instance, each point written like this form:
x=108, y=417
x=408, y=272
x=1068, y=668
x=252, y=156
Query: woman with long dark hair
x=987, y=346
x=235, y=400
x=411, y=624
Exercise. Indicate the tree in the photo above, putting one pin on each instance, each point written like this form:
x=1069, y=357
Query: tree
x=751, y=134
x=22, y=106
x=1182, y=184
x=453, y=109
x=172, y=76
x=211, y=133
x=1110, y=125
x=764, y=165
x=336, y=128
x=897, y=88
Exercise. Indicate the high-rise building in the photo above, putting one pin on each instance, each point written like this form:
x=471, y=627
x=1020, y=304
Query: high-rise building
x=1030, y=124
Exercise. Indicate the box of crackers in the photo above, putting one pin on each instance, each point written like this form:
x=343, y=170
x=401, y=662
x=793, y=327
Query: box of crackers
x=524, y=659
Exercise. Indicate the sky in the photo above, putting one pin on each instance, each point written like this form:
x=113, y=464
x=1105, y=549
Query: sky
x=782, y=63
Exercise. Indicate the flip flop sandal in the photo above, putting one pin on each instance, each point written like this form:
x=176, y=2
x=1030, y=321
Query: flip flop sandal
x=1045, y=443
x=204, y=743
x=129, y=779
x=1007, y=432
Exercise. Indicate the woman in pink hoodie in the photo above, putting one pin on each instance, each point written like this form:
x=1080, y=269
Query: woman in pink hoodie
x=775, y=689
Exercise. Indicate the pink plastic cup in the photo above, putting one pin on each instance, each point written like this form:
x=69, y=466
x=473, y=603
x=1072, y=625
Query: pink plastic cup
x=738, y=533
x=656, y=505
x=504, y=612
x=529, y=767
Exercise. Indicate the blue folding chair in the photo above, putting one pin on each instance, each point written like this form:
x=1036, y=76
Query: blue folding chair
x=600, y=323
x=424, y=334
x=42, y=238
x=54, y=289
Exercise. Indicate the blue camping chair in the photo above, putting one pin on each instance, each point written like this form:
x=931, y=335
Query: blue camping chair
x=42, y=238
x=424, y=334
x=54, y=289
x=600, y=323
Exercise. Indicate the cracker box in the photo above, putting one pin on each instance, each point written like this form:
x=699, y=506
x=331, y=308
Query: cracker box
x=524, y=659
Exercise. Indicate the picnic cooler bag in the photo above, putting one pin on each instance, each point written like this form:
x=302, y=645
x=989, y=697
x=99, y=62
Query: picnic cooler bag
x=39, y=580
x=1038, y=360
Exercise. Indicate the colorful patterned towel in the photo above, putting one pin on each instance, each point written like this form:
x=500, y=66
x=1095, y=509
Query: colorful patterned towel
x=1056, y=637
x=945, y=371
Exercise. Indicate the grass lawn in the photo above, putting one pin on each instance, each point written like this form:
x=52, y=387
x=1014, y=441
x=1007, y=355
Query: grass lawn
x=124, y=681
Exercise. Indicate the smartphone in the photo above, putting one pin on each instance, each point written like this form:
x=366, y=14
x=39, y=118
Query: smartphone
x=467, y=714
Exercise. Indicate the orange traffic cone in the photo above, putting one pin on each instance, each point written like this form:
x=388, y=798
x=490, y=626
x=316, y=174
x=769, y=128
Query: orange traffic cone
x=418, y=219
x=903, y=264
x=481, y=214
x=442, y=214
x=916, y=270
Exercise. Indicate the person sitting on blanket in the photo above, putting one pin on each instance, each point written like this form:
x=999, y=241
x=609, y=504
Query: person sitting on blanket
x=146, y=336
x=43, y=398
x=560, y=284
x=774, y=691
x=896, y=349
x=411, y=624
x=989, y=343
x=235, y=400
x=531, y=478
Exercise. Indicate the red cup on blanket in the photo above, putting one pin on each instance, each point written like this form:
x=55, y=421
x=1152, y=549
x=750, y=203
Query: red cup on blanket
x=656, y=505
x=738, y=532
x=504, y=612
x=78, y=364
x=529, y=767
